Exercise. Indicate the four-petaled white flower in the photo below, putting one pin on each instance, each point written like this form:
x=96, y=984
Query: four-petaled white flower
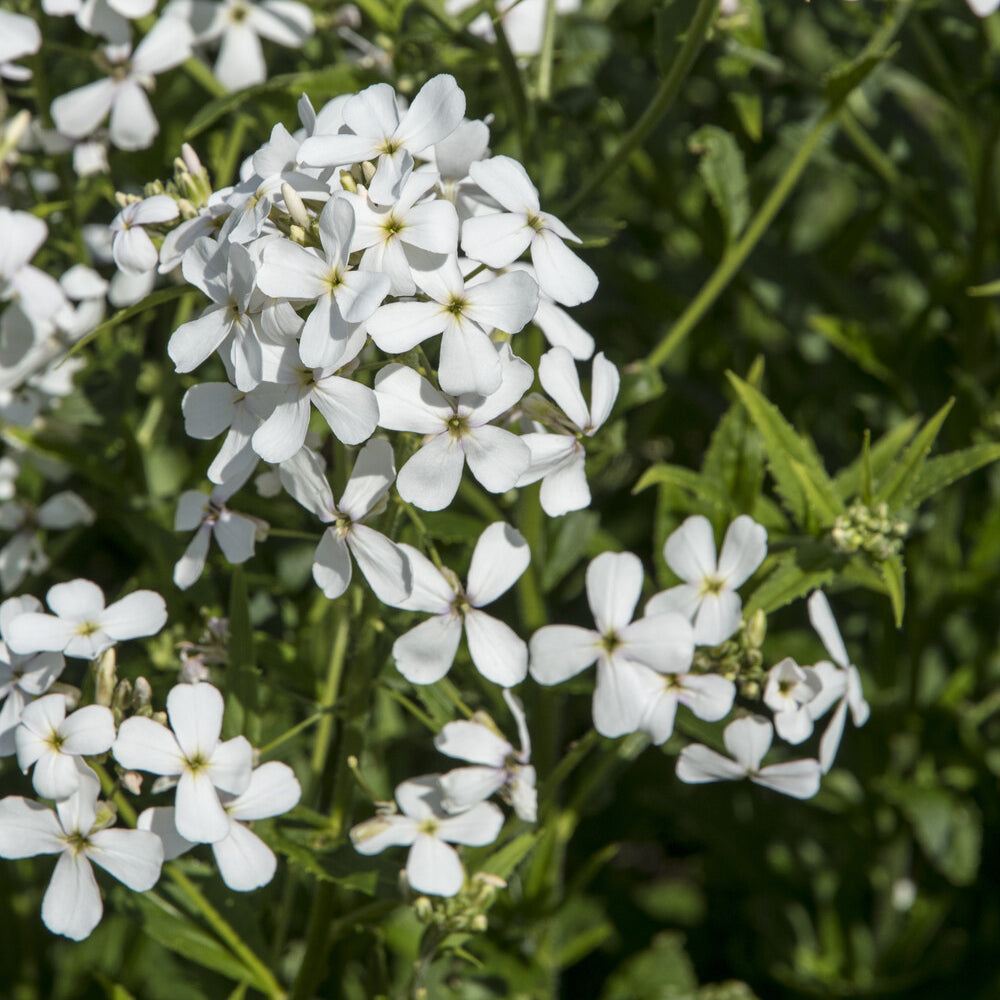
x=245, y=861
x=789, y=690
x=72, y=903
x=54, y=743
x=840, y=680
x=132, y=248
x=630, y=655
x=425, y=653
x=82, y=626
x=748, y=740
x=193, y=753
x=428, y=829
x=496, y=765
x=708, y=594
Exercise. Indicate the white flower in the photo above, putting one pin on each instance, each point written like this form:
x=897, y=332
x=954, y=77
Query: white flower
x=425, y=653
x=245, y=861
x=381, y=561
x=19, y=36
x=72, y=903
x=456, y=430
x=132, y=248
x=983, y=8
x=499, y=239
x=133, y=124
x=376, y=130
x=239, y=25
x=841, y=682
x=630, y=655
x=427, y=828
x=748, y=740
x=497, y=765
x=210, y=408
x=233, y=532
x=708, y=594
x=709, y=696
x=789, y=690
x=559, y=459
x=38, y=295
x=82, y=626
x=192, y=753
x=464, y=315
x=22, y=678
x=54, y=743
x=342, y=296
x=523, y=21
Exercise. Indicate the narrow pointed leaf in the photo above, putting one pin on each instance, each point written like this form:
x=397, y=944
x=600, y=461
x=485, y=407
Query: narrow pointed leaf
x=894, y=487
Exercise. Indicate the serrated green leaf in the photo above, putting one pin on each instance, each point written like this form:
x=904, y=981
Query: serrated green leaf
x=167, y=926
x=339, y=863
x=849, y=482
x=784, y=447
x=787, y=582
x=943, y=470
x=894, y=487
x=329, y=80
x=840, y=82
x=892, y=572
x=720, y=164
x=849, y=338
x=685, y=479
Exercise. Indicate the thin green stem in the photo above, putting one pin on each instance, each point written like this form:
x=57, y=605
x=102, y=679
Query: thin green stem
x=331, y=689
x=294, y=731
x=411, y=706
x=510, y=70
x=664, y=97
x=547, y=54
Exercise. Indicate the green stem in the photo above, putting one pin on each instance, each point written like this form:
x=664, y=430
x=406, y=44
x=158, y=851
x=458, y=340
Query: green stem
x=203, y=76
x=547, y=54
x=294, y=731
x=411, y=706
x=509, y=68
x=664, y=97
x=331, y=688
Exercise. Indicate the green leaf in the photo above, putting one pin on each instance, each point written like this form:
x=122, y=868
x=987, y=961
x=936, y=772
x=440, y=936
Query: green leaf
x=892, y=572
x=338, y=862
x=849, y=482
x=504, y=861
x=943, y=470
x=672, y=19
x=949, y=830
x=641, y=384
x=661, y=971
x=449, y=526
x=786, y=449
x=894, y=488
x=789, y=581
x=721, y=167
x=572, y=535
x=165, y=924
x=241, y=675
x=849, y=338
x=693, y=482
x=840, y=82
x=990, y=288
x=329, y=80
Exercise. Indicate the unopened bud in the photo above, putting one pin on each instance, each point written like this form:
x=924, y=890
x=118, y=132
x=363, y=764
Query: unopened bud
x=294, y=205
x=190, y=157
x=423, y=908
x=107, y=677
x=153, y=188
x=106, y=816
x=132, y=782
x=297, y=234
x=479, y=923
x=347, y=181
x=160, y=717
x=193, y=671
x=15, y=129
x=757, y=629
x=368, y=171
x=122, y=698
x=347, y=16
x=142, y=695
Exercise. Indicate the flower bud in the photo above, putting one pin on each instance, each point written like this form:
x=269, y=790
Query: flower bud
x=142, y=695
x=132, y=782
x=121, y=700
x=106, y=678
x=347, y=181
x=294, y=205
x=757, y=629
x=368, y=171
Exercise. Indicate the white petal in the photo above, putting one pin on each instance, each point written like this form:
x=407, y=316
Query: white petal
x=79, y=112
x=27, y=828
x=209, y=409
x=190, y=566
x=192, y=342
x=500, y=557
x=160, y=821
x=468, y=360
x=332, y=565
x=614, y=583
x=748, y=740
x=561, y=274
x=798, y=778
x=560, y=379
x=434, y=113
x=372, y=475
x=465, y=786
x=145, y=745
x=429, y=480
x=376, y=834
x=167, y=44
x=718, y=617
x=408, y=402
x=684, y=599
x=559, y=652
x=474, y=742
x=235, y=535
x=245, y=861
x=829, y=743
x=273, y=790
x=434, y=867
x=133, y=857
x=476, y=827
x=231, y=765
x=499, y=654
x=133, y=125
x=72, y=903
x=79, y=599
x=382, y=564
x=825, y=624
x=141, y=613
x=199, y=814
x=794, y=725
x=88, y=731
x=662, y=642
x=240, y=62
x=566, y=488
x=506, y=181
x=350, y=408
x=496, y=240
x=430, y=590
x=496, y=457
x=425, y=653
x=743, y=550
x=400, y=326
x=621, y=696
x=690, y=550
x=195, y=712
x=281, y=435
x=64, y=510
x=709, y=696
x=698, y=764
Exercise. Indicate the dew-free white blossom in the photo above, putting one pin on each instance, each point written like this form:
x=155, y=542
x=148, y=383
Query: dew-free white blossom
x=72, y=903
x=708, y=696
x=123, y=94
x=425, y=653
x=788, y=692
x=81, y=625
x=558, y=459
x=840, y=680
x=383, y=564
x=463, y=315
x=245, y=861
x=748, y=740
x=375, y=130
x=456, y=430
x=132, y=248
x=631, y=656
x=708, y=594
x=498, y=239
x=37, y=294
x=22, y=677
x=497, y=766
x=192, y=752
x=428, y=829
x=19, y=36
x=53, y=742
x=210, y=408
